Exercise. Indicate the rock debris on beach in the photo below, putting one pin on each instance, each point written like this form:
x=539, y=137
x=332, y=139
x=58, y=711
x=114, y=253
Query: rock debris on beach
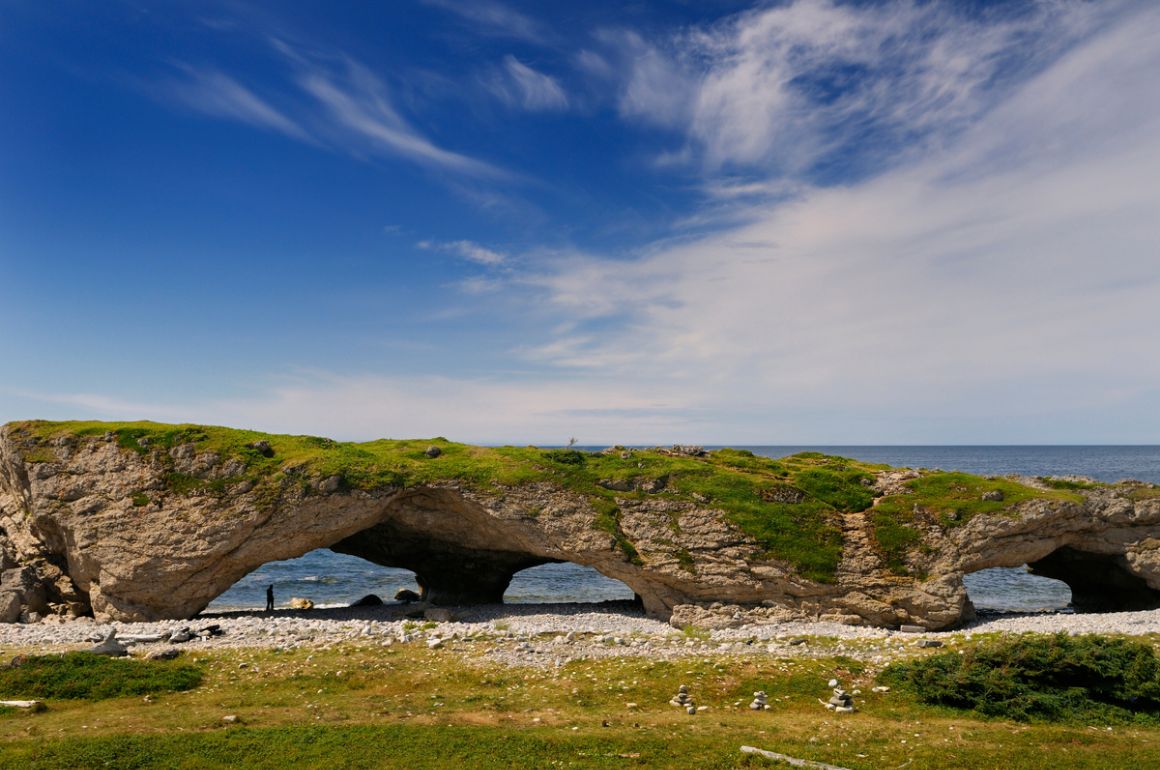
x=538, y=635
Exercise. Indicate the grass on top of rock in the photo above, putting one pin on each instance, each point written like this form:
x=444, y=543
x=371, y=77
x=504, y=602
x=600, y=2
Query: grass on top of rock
x=802, y=529
x=1041, y=678
x=1069, y=483
x=85, y=676
x=946, y=500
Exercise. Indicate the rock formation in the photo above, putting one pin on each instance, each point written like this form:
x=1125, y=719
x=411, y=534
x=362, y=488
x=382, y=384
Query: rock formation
x=144, y=521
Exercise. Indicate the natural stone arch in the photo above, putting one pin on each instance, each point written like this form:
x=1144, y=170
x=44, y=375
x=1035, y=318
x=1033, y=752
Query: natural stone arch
x=144, y=521
x=461, y=553
x=458, y=554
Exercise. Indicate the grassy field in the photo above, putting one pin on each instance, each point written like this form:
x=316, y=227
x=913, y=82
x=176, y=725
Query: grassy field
x=407, y=706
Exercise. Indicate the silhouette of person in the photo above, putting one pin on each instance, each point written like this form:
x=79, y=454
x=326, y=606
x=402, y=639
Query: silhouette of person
x=270, y=598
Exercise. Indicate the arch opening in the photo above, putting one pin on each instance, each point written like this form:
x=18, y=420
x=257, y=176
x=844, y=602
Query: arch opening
x=564, y=582
x=323, y=576
x=1098, y=582
x=1016, y=589
x=439, y=544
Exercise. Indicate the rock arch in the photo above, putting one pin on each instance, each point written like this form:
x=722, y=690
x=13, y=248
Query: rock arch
x=458, y=552
x=147, y=522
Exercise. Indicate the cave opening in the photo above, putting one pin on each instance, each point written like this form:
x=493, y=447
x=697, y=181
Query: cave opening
x=1099, y=582
x=323, y=576
x=564, y=582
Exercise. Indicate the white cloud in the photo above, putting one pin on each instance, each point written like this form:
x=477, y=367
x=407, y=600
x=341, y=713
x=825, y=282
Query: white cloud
x=593, y=63
x=497, y=19
x=658, y=88
x=1010, y=279
x=517, y=84
x=785, y=87
x=469, y=250
x=344, y=106
x=361, y=109
x=219, y=95
x=481, y=410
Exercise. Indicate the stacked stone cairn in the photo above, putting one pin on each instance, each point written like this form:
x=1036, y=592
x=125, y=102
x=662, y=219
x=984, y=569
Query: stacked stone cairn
x=759, y=701
x=682, y=700
x=841, y=702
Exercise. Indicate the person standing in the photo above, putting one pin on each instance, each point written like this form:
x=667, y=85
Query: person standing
x=270, y=598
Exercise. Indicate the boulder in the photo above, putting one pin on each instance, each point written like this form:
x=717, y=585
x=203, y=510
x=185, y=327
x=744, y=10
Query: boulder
x=262, y=447
x=406, y=596
x=11, y=603
x=168, y=653
x=181, y=636
x=370, y=600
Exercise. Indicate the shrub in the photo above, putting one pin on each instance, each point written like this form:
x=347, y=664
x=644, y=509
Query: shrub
x=1040, y=678
x=566, y=456
x=85, y=676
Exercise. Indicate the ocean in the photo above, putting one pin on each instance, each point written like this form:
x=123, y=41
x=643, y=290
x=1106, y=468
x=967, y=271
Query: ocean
x=329, y=578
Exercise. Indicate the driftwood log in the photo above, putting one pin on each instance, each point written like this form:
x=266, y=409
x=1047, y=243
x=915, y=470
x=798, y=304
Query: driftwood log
x=789, y=760
x=32, y=705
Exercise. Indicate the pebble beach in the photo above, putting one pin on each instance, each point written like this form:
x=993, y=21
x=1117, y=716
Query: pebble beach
x=544, y=634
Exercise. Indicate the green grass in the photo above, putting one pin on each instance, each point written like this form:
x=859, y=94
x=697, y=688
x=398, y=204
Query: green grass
x=365, y=706
x=791, y=507
x=946, y=500
x=1080, y=679
x=1073, y=485
x=84, y=676
x=379, y=746
x=1141, y=492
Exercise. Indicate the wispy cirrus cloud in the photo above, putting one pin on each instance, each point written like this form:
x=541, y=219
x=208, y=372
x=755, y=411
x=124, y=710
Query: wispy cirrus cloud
x=215, y=93
x=327, y=100
x=469, y=250
x=495, y=19
x=519, y=85
x=359, y=108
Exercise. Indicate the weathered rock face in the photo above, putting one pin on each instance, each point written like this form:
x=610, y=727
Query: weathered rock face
x=90, y=526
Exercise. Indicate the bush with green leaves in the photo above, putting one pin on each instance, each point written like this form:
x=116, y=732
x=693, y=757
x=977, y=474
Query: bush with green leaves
x=85, y=676
x=1040, y=678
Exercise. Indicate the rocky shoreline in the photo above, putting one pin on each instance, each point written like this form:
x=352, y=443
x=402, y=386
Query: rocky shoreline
x=543, y=634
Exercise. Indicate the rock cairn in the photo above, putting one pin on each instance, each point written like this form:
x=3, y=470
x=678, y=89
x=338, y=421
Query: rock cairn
x=841, y=701
x=682, y=700
x=760, y=701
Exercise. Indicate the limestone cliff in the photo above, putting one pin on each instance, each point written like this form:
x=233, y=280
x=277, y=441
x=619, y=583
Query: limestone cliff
x=146, y=521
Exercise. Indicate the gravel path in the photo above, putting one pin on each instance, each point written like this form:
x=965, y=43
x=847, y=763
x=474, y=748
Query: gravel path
x=537, y=634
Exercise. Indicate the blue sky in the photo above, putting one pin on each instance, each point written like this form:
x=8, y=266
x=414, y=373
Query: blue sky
x=713, y=222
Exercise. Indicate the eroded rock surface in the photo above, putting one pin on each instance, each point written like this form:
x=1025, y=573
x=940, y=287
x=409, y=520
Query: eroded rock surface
x=89, y=525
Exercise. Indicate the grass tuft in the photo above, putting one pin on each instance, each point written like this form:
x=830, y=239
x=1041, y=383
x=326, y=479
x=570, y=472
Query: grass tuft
x=85, y=676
